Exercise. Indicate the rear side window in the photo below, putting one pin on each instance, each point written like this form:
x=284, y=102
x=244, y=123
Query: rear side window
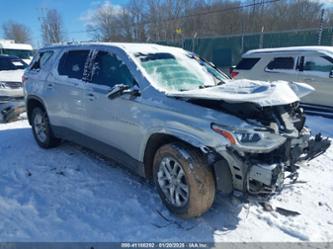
x=72, y=64
x=41, y=60
x=247, y=63
x=281, y=63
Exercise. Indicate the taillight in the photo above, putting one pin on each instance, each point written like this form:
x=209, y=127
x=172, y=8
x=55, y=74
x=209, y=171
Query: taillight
x=234, y=74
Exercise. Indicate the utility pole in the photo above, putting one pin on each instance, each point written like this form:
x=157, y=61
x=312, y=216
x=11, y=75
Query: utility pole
x=321, y=26
x=193, y=41
x=242, y=40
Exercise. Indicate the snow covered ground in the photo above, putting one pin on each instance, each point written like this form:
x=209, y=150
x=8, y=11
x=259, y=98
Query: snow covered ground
x=70, y=194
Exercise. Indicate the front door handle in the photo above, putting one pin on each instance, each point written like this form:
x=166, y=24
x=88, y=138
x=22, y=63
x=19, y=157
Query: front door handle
x=49, y=86
x=91, y=96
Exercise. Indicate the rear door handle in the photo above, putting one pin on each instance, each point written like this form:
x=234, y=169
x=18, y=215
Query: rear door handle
x=50, y=86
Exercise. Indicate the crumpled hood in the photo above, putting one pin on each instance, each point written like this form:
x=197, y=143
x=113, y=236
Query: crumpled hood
x=243, y=90
x=11, y=75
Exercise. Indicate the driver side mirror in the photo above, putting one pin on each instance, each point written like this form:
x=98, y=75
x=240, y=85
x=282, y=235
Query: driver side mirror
x=331, y=74
x=121, y=89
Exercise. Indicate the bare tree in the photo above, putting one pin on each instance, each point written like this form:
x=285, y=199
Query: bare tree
x=52, y=27
x=16, y=31
x=172, y=20
x=109, y=23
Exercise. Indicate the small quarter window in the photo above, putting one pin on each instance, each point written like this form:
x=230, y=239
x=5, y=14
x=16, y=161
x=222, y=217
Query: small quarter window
x=247, y=63
x=72, y=63
x=281, y=63
x=41, y=60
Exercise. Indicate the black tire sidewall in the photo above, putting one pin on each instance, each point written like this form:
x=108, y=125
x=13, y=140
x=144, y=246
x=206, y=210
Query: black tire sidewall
x=198, y=177
x=47, y=142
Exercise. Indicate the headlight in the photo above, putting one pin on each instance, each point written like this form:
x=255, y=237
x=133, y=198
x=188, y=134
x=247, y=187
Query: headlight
x=247, y=137
x=250, y=140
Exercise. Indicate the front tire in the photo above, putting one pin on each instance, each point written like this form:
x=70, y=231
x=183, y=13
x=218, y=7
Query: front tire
x=183, y=179
x=41, y=129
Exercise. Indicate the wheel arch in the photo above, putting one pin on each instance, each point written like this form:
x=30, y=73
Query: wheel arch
x=32, y=102
x=221, y=168
x=156, y=140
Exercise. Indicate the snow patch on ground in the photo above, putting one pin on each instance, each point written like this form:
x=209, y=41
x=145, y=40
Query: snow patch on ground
x=71, y=194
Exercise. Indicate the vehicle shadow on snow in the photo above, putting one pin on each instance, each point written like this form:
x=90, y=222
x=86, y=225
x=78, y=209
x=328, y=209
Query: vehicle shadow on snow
x=149, y=211
x=220, y=219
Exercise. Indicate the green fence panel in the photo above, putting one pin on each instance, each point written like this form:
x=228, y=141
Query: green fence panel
x=226, y=51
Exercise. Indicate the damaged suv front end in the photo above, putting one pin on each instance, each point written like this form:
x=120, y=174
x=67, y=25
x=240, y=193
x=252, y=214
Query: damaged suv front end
x=271, y=139
x=260, y=157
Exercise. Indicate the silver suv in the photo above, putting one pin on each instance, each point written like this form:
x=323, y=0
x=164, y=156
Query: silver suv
x=171, y=117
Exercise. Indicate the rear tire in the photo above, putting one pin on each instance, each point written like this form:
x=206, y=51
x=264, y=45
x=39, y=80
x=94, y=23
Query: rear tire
x=183, y=179
x=42, y=130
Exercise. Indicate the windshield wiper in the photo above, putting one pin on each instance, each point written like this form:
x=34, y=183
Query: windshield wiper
x=221, y=82
x=207, y=86
x=204, y=86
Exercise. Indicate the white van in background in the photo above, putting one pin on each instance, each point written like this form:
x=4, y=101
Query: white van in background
x=21, y=50
x=312, y=65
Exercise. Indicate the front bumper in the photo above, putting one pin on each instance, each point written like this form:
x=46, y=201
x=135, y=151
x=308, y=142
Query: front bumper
x=265, y=178
x=258, y=173
x=8, y=93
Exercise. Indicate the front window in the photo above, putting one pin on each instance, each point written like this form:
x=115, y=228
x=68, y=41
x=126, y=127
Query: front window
x=318, y=64
x=109, y=70
x=9, y=63
x=23, y=54
x=179, y=71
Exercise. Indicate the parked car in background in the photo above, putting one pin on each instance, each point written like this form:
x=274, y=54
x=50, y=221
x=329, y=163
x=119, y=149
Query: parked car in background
x=312, y=65
x=21, y=50
x=11, y=72
x=11, y=89
x=171, y=117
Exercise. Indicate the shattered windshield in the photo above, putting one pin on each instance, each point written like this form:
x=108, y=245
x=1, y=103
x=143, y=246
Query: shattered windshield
x=179, y=72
